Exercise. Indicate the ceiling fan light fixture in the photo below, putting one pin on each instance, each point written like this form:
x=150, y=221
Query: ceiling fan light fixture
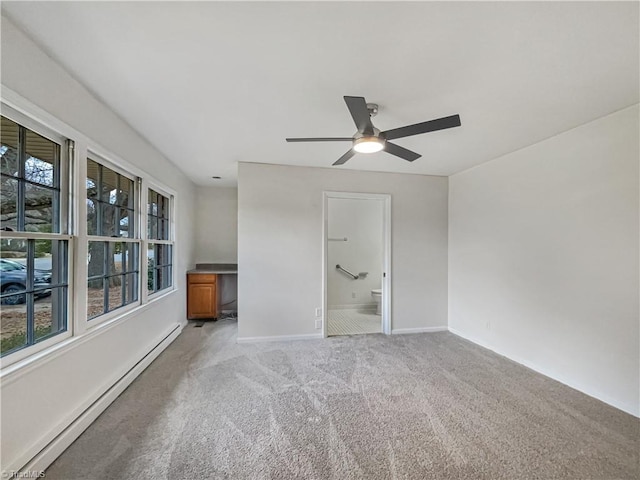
x=368, y=144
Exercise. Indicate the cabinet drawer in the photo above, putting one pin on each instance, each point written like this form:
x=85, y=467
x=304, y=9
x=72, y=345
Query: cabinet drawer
x=202, y=278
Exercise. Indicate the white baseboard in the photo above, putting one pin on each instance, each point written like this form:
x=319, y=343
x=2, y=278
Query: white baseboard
x=54, y=449
x=279, y=338
x=400, y=331
x=630, y=409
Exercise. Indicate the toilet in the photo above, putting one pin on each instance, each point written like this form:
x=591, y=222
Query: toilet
x=377, y=296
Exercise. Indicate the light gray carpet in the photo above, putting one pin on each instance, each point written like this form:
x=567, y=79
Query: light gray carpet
x=422, y=406
x=353, y=322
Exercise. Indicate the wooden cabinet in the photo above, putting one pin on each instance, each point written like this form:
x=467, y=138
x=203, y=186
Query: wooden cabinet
x=202, y=295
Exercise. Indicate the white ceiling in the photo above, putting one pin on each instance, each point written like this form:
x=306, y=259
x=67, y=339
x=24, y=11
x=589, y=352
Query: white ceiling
x=213, y=83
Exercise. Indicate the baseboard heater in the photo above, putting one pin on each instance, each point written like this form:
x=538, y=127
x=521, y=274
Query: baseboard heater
x=64, y=439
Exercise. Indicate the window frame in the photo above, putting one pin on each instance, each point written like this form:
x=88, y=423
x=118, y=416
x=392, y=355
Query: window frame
x=63, y=216
x=91, y=154
x=147, y=186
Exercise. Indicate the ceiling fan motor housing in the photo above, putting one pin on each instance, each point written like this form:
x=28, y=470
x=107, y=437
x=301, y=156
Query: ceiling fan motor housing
x=376, y=134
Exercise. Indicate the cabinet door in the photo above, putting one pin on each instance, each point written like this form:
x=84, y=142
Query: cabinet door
x=202, y=301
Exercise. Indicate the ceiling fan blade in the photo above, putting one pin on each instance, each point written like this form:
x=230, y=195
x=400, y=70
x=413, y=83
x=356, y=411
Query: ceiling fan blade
x=424, y=127
x=358, y=108
x=321, y=139
x=401, y=152
x=345, y=157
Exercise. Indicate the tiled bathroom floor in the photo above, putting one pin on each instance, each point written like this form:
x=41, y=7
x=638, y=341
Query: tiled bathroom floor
x=353, y=322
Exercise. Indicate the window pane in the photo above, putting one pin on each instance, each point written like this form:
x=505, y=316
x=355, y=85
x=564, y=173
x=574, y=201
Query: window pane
x=152, y=207
x=107, y=225
x=12, y=283
x=160, y=278
x=115, y=258
x=151, y=263
x=115, y=292
x=131, y=288
x=36, y=300
x=42, y=275
x=157, y=216
x=109, y=185
x=163, y=229
x=152, y=280
x=50, y=263
x=39, y=202
x=166, y=278
x=39, y=171
x=9, y=204
x=129, y=260
x=92, y=217
x=26, y=204
x=50, y=312
x=126, y=192
x=93, y=170
x=110, y=202
x=95, y=298
x=95, y=266
x=13, y=271
x=126, y=223
x=164, y=255
x=159, y=258
x=13, y=319
x=9, y=164
x=113, y=281
x=42, y=158
x=152, y=228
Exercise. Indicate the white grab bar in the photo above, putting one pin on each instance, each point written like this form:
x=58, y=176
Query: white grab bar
x=352, y=275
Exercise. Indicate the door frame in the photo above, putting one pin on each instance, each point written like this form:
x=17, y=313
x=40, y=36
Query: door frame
x=386, y=253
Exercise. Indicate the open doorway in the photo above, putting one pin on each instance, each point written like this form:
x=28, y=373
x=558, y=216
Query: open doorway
x=356, y=252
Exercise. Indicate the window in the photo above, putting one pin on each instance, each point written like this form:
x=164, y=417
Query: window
x=39, y=254
x=114, y=246
x=160, y=246
x=34, y=243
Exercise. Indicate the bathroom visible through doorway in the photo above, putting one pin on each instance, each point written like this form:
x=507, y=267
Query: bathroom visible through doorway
x=356, y=263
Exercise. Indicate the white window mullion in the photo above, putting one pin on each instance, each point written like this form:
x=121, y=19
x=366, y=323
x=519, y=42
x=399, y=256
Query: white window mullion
x=143, y=196
x=81, y=247
x=172, y=236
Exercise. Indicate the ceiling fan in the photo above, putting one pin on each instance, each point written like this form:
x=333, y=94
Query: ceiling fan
x=368, y=139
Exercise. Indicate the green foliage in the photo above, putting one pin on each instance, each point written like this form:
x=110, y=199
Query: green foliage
x=43, y=247
x=151, y=264
x=20, y=338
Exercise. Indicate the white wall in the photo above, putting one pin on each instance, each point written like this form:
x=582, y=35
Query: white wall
x=360, y=221
x=280, y=246
x=216, y=238
x=543, y=257
x=40, y=400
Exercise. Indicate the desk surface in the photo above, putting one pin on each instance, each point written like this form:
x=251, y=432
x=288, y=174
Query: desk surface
x=215, y=268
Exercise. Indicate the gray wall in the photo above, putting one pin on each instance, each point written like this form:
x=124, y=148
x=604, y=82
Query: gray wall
x=543, y=257
x=280, y=246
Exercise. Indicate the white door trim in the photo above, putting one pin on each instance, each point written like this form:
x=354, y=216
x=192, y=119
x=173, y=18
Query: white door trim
x=386, y=260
